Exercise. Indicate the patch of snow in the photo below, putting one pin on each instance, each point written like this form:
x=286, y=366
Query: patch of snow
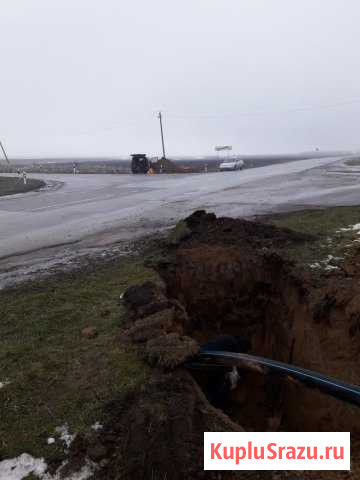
x=4, y=383
x=97, y=426
x=50, y=440
x=331, y=267
x=20, y=467
x=326, y=263
x=350, y=228
x=331, y=257
x=121, y=295
x=65, y=436
x=83, y=474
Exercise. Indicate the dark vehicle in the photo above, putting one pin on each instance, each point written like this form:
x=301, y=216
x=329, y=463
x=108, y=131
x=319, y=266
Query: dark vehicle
x=140, y=163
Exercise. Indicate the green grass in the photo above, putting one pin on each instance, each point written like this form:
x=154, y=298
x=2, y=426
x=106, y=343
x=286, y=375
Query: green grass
x=12, y=185
x=56, y=375
x=324, y=224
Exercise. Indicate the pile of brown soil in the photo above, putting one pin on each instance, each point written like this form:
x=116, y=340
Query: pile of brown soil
x=158, y=433
x=164, y=165
x=208, y=229
x=225, y=276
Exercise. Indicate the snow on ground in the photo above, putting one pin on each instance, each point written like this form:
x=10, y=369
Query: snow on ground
x=20, y=467
x=327, y=263
x=3, y=383
x=355, y=228
x=331, y=267
x=65, y=436
x=62, y=434
x=97, y=426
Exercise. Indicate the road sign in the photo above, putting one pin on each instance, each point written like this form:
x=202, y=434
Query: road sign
x=221, y=148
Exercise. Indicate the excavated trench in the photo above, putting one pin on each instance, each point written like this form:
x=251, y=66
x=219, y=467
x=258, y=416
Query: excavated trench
x=225, y=276
x=232, y=279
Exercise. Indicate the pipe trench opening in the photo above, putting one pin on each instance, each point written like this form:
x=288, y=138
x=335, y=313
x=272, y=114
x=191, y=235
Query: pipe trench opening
x=231, y=281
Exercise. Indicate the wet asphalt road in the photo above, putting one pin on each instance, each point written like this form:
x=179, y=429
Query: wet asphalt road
x=95, y=209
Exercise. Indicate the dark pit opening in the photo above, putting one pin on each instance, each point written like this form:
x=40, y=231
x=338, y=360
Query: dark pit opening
x=256, y=294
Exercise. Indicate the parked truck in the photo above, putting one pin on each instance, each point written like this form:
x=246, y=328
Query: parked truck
x=140, y=163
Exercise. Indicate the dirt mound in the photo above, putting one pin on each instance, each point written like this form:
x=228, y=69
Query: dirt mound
x=207, y=228
x=146, y=299
x=158, y=432
x=164, y=165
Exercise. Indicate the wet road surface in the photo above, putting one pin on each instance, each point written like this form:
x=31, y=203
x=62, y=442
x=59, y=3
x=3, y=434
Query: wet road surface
x=92, y=210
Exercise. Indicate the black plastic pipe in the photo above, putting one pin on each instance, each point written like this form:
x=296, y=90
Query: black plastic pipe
x=209, y=360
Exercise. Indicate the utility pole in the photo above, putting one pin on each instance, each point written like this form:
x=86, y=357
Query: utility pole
x=3, y=150
x=162, y=134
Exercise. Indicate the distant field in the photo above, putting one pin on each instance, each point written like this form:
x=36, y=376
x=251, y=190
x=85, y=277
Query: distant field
x=11, y=185
x=122, y=165
x=354, y=162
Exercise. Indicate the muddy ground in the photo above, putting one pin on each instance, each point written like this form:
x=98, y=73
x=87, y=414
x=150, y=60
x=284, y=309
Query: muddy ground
x=226, y=276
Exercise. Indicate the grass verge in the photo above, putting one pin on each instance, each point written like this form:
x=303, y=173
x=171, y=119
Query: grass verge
x=12, y=185
x=55, y=374
x=335, y=237
x=354, y=162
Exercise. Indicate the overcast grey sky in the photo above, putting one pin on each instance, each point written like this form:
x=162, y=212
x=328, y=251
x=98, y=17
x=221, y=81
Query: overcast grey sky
x=86, y=77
